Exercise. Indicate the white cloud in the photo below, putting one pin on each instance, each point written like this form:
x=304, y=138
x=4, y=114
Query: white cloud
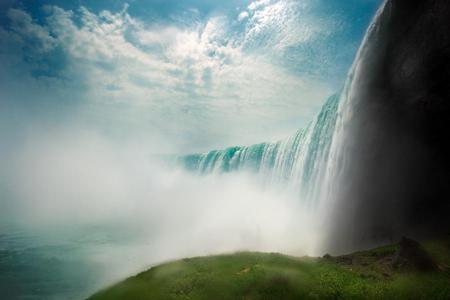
x=33, y=35
x=190, y=82
x=282, y=24
x=257, y=4
x=243, y=15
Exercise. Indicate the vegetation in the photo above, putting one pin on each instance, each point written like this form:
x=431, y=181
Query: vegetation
x=361, y=275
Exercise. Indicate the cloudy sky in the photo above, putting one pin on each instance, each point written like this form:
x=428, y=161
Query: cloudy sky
x=183, y=76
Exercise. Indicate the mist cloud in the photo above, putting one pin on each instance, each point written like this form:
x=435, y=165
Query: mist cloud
x=125, y=211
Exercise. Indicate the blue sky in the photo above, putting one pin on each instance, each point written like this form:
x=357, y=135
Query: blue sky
x=188, y=75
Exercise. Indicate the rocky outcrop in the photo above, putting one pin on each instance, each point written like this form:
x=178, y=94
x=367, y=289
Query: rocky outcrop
x=412, y=256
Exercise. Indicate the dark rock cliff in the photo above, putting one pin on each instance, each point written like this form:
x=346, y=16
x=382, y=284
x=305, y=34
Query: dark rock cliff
x=398, y=144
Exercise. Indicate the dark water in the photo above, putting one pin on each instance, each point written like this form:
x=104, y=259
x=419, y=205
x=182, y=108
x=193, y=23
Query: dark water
x=65, y=264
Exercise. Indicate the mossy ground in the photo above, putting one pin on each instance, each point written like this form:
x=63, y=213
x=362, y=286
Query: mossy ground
x=246, y=275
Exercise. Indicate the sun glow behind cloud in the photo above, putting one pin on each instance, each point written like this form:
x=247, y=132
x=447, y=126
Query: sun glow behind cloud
x=198, y=82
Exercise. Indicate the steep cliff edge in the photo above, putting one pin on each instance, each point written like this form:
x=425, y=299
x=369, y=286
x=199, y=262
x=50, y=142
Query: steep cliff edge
x=395, y=130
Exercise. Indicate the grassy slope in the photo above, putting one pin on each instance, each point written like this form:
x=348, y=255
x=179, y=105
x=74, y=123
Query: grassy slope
x=362, y=275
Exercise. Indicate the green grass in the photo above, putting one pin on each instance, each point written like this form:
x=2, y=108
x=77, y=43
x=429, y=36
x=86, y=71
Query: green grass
x=246, y=275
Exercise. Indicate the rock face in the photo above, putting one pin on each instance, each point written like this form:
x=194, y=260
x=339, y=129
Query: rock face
x=412, y=256
x=398, y=156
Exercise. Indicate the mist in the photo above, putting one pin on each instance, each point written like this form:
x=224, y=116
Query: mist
x=66, y=183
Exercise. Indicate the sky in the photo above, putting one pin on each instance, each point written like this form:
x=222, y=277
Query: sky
x=172, y=76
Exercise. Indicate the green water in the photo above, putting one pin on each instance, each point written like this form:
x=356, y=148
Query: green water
x=64, y=263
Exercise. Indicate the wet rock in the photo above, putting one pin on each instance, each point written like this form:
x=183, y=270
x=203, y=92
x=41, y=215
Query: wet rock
x=345, y=260
x=412, y=256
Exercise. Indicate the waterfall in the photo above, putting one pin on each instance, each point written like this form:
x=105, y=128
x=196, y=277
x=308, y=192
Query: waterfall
x=374, y=162
x=343, y=143
x=298, y=161
x=313, y=161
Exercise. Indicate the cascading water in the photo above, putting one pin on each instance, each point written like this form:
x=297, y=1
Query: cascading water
x=342, y=143
x=374, y=162
x=298, y=161
x=322, y=162
x=311, y=161
x=388, y=166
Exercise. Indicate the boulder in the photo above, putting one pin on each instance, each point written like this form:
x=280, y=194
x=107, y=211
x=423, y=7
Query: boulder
x=412, y=256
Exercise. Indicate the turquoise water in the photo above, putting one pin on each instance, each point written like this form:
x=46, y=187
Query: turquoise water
x=63, y=263
x=298, y=161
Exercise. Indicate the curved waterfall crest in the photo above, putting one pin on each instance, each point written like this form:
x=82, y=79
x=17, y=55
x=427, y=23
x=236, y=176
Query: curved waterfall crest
x=298, y=161
x=313, y=160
